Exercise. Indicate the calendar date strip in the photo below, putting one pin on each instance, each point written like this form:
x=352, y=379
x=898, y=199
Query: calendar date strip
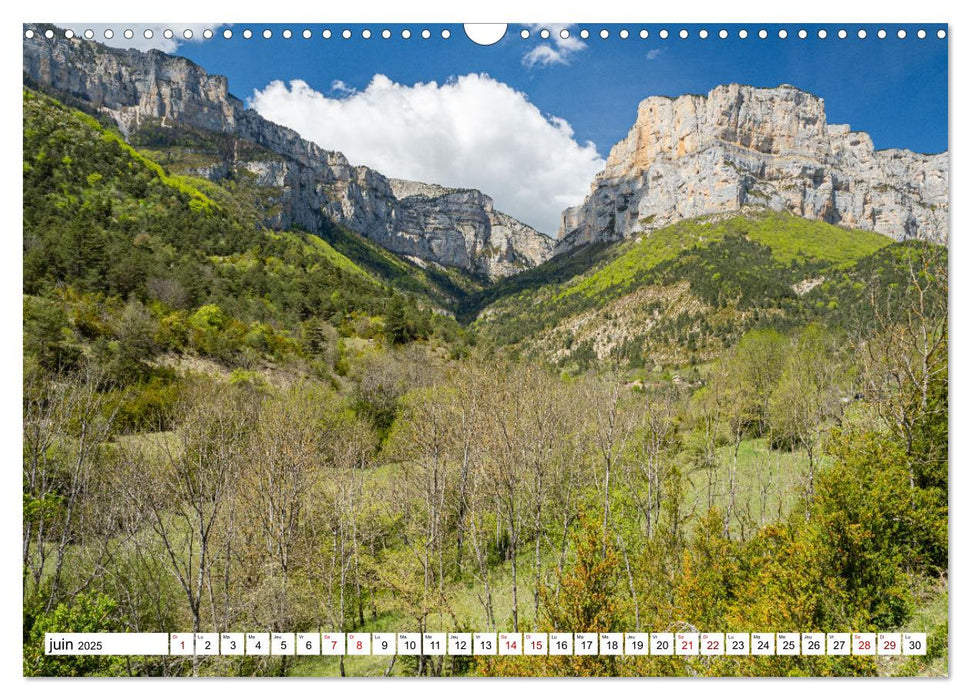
x=488, y=644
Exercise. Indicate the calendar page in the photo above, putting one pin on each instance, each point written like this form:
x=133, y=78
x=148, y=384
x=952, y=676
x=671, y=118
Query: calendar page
x=438, y=350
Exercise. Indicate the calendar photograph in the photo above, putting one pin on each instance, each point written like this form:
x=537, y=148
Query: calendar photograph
x=527, y=350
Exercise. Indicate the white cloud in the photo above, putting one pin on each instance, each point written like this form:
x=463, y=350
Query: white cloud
x=341, y=88
x=139, y=40
x=472, y=131
x=559, y=52
x=654, y=53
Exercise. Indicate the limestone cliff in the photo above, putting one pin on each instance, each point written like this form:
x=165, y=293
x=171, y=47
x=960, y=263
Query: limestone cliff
x=457, y=228
x=463, y=226
x=745, y=146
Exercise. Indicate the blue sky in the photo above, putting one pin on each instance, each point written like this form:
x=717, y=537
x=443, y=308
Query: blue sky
x=894, y=89
x=529, y=121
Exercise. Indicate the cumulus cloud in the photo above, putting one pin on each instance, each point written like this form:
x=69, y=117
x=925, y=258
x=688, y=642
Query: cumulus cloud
x=559, y=52
x=139, y=40
x=654, y=53
x=472, y=131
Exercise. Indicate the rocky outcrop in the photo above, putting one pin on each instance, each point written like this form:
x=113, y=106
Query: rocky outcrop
x=462, y=228
x=458, y=228
x=745, y=146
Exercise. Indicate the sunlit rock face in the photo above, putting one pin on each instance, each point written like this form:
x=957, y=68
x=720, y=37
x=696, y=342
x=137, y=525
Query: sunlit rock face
x=741, y=146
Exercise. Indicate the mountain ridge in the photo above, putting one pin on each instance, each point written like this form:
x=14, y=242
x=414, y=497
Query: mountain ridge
x=739, y=145
x=143, y=90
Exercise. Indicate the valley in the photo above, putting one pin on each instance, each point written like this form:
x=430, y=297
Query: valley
x=268, y=389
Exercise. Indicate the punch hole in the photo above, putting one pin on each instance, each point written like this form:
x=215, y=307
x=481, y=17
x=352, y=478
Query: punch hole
x=488, y=34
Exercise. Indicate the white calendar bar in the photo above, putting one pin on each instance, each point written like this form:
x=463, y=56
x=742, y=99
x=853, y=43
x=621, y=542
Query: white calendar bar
x=257, y=643
x=561, y=644
x=787, y=644
x=308, y=644
x=662, y=643
x=409, y=643
x=488, y=643
x=813, y=644
x=536, y=644
x=232, y=643
x=113, y=643
x=383, y=644
x=282, y=643
x=332, y=643
x=485, y=644
x=207, y=644
x=686, y=643
x=460, y=644
x=181, y=644
x=712, y=643
x=889, y=644
x=637, y=644
x=838, y=644
x=585, y=643
x=359, y=643
x=914, y=643
x=433, y=644
x=864, y=644
x=510, y=643
x=611, y=643
x=763, y=644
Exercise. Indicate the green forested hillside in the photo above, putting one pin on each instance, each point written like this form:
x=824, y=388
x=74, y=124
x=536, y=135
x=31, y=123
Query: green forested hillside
x=685, y=293
x=108, y=232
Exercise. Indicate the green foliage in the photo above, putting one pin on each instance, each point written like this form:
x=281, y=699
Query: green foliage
x=85, y=613
x=103, y=223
